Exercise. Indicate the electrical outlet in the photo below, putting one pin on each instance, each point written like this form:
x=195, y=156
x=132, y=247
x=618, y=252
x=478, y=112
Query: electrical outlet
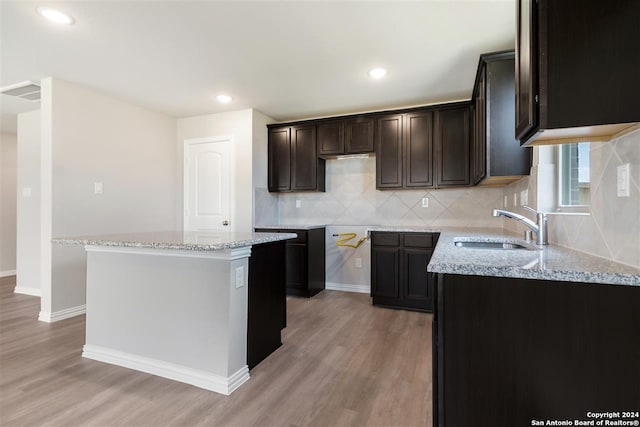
x=506, y=201
x=98, y=188
x=26, y=192
x=623, y=180
x=239, y=277
x=515, y=199
x=358, y=262
x=298, y=204
x=425, y=202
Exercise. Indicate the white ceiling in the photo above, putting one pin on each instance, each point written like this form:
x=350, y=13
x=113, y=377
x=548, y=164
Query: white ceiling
x=289, y=60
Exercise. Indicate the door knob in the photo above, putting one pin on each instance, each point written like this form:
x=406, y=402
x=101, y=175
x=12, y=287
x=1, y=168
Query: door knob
x=225, y=223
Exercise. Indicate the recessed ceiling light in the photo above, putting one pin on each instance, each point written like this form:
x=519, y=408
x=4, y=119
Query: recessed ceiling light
x=54, y=15
x=377, y=73
x=225, y=99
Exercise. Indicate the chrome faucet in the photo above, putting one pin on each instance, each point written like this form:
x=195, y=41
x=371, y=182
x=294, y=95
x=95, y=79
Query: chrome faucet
x=539, y=227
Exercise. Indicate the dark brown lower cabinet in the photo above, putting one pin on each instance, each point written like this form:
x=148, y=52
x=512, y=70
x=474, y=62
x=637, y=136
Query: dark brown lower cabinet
x=509, y=351
x=305, y=261
x=267, y=306
x=399, y=276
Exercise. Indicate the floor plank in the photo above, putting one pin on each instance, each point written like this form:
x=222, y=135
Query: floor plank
x=342, y=363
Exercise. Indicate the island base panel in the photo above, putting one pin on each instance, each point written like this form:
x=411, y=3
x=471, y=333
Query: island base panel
x=176, y=314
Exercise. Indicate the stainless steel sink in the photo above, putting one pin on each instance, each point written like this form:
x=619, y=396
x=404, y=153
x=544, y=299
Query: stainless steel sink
x=487, y=245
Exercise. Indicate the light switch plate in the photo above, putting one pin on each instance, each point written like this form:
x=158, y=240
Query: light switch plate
x=298, y=203
x=26, y=192
x=97, y=188
x=623, y=180
x=506, y=201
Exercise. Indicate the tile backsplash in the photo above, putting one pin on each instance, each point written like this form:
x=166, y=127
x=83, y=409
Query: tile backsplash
x=266, y=207
x=612, y=230
x=351, y=198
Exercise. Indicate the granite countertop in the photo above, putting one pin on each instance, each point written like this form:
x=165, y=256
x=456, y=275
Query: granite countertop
x=181, y=240
x=421, y=229
x=292, y=226
x=550, y=262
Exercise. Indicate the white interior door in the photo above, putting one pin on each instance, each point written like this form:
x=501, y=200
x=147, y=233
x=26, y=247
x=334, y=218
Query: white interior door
x=208, y=185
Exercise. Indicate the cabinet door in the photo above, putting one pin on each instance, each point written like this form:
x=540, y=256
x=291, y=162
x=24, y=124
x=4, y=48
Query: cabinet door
x=478, y=155
x=526, y=67
x=359, y=135
x=330, y=138
x=389, y=151
x=304, y=158
x=296, y=266
x=506, y=155
x=452, y=147
x=418, y=144
x=279, y=159
x=385, y=271
x=416, y=286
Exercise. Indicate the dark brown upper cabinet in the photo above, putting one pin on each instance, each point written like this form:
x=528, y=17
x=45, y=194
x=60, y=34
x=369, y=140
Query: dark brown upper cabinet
x=389, y=162
x=293, y=161
x=496, y=155
x=478, y=126
x=279, y=159
x=423, y=148
x=577, y=70
x=526, y=69
x=331, y=138
x=348, y=136
x=451, y=143
x=418, y=147
x=359, y=135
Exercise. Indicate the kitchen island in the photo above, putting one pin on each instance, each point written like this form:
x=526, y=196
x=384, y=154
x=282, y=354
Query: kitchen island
x=176, y=304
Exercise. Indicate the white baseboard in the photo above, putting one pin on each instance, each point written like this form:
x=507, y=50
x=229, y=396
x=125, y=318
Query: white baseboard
x=7, y=273
x=195, y=377
x=27, y=291
x=346, y=287
x=45, y=316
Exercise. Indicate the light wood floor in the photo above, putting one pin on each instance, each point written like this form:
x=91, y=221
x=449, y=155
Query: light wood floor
x=342, y=363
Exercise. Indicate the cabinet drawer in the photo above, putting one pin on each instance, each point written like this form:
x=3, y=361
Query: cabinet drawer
x=418, y=240
x=385, y=239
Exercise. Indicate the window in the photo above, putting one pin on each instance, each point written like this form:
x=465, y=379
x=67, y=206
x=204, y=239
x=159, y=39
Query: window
x=573, y=175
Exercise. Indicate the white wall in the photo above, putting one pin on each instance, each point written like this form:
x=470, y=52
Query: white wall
x=265, y=204
x=612, y=230
x=130, y=150
x=238, y=125
x=29, y=225
x=8, y=176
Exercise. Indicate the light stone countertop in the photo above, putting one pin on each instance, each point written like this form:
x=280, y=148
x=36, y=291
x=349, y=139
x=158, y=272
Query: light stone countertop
x=550, y=262
x=180, y=240
x=291, y=226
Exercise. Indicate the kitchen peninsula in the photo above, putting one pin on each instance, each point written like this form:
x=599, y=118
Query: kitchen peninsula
x=179, y=304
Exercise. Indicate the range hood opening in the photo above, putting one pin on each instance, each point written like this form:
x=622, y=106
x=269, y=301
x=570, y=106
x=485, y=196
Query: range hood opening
x=352, y=156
